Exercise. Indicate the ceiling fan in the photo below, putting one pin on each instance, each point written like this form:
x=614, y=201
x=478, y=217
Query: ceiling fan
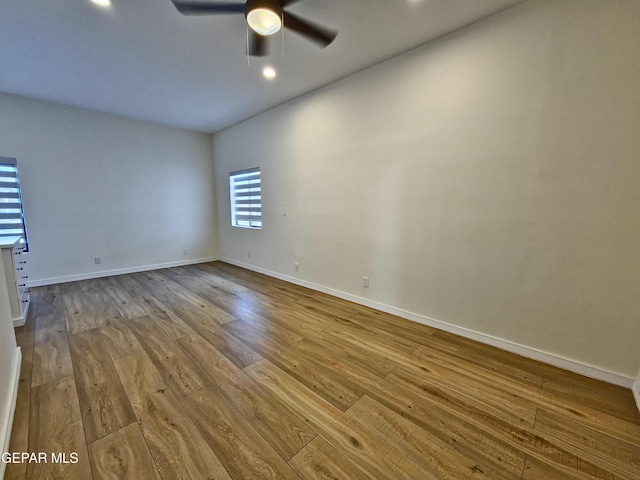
x=264, y=18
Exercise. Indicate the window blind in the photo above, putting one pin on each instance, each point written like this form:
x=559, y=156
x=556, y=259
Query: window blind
x=11, y=214
x=246, y=198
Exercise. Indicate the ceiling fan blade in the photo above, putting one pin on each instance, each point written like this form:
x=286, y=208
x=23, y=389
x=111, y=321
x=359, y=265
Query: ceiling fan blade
x=207, y=8
x=258, y=44
x=313, y=32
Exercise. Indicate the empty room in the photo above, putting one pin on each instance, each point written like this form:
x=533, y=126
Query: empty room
x=320, y=239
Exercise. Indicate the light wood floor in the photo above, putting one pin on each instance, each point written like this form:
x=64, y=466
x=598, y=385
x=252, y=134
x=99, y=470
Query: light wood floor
x=214, y=372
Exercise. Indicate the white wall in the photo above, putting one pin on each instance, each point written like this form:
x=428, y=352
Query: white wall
x=636, y=390
x=9, y=368
x=488, y=180
x=96, y=185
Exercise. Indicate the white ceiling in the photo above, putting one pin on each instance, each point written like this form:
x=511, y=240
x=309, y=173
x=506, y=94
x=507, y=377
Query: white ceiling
x=142, y=59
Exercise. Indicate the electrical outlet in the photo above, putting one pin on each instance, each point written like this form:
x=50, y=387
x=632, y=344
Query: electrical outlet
x=297, y=267
x=185, y=251
x=365, y=282
x=97, y=260
x=284, y=211
x=249, y=254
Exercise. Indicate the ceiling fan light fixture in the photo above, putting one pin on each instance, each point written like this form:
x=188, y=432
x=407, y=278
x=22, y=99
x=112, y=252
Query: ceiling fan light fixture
x=264, y=21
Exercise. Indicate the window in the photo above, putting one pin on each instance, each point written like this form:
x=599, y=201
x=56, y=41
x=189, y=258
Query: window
x=11, y=215
x=246, y=198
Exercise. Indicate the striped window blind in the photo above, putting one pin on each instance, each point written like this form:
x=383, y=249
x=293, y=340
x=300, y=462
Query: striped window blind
x=11, y=215
x=246, y=198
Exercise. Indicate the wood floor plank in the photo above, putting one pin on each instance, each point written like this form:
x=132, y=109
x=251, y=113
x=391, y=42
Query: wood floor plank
x=617, y=456
x=285, y=334
x=468, y=439
x=323, y=303
x=243, y=452
x=51, y=356
x=378, y=364
x=525, y=387
x=171, y=324
x=154, y=341
x=48, y=301
x=203, y=277
x=188, y=295
x=302, y=321
x=180, y=300
x=336, y=359
x=237, y=352
x=320, y=461
x=360, y=329
x=141, y=294
x=364, y=449
x=167, y=320
x=286, y=434
x=423, y=448
x=394, y=325
x=478, y=351
x=78, y=312
x=341, y=394
x=226, y=301
x=139, y=377
x=258, y=288
x=481, y=368
x=79, y=286
x=509, y=406
x=601, y=396
x=104, y=408
x=119, y=339
x=604, y=422
x=351, y=377
x=180, y=373
x=55, y=426
x=105, y=313
x=524, y=439
x=104, y=405
x=536, y=469
x=371, y=344
x=67, y=288
x=123, y=301
x=234, y=293
x=178, y=448
x=91, y=360
x=123, y=455
x=518, y=410
x=502, y=365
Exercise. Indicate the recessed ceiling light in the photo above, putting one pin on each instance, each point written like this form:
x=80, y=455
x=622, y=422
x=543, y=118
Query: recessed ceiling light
x=102, y=3
x=269, y=72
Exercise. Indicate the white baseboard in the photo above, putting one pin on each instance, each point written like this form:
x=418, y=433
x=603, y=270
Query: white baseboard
x=7, y=416
x=636, y=392
x=119, y=271
x=20, y=321
x=529, y=352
